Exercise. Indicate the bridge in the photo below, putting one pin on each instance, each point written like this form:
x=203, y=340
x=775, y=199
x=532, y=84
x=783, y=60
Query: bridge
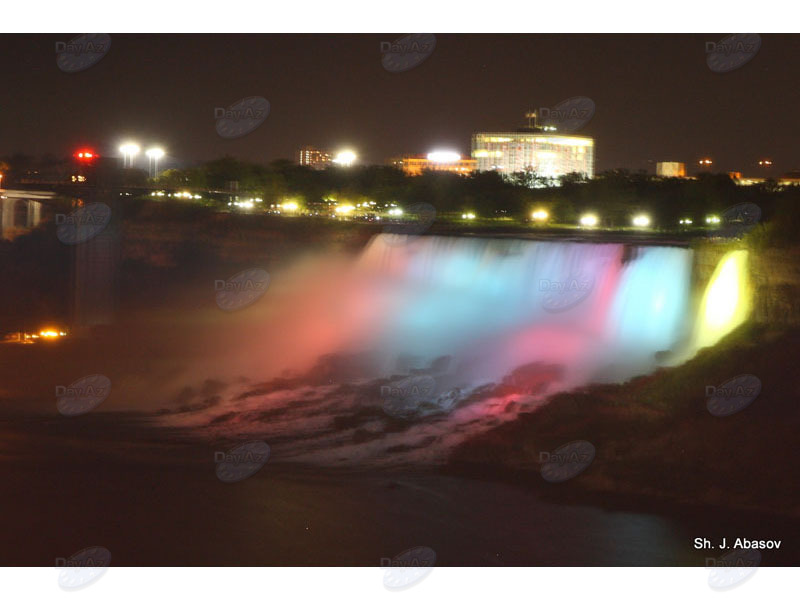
x=51, y=189
x=21, y=207
x=19, y=211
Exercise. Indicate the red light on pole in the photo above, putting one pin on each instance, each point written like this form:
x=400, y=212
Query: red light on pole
x=86, y=155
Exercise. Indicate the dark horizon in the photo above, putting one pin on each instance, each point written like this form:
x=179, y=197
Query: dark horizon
x=656, y=98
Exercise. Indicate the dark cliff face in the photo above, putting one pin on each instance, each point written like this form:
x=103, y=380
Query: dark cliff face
x=776, y=281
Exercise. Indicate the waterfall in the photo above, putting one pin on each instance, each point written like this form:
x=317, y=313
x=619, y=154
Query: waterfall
x=426, y=341
x=601, y=311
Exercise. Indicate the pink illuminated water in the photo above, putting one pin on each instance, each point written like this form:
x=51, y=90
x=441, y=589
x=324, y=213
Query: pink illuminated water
x=496, y=326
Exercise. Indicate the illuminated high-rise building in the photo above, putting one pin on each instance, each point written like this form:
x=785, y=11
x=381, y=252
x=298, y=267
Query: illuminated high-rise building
x=540, y=150
x=309, y=156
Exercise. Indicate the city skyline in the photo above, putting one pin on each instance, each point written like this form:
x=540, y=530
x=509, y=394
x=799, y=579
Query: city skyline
x=469, y=83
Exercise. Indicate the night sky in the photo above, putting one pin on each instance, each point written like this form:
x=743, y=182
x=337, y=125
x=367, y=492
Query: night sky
x=655, y=96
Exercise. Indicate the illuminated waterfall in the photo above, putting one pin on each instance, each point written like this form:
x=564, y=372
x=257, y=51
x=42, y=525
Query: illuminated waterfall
x=485, y=302
x=449, y=314
x=726, y=301
x=498, y=304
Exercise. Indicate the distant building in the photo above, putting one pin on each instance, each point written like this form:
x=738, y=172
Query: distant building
x=670, y=169
x=435, y=161
x=535, y=149
x=749, y=180
x=791, y=178
x=309, y=156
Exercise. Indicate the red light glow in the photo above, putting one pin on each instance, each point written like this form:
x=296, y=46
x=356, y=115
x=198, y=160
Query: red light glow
x=85, y=155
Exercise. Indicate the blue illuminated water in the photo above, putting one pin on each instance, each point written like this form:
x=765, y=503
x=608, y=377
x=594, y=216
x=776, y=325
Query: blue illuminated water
x=592, y=304
x=496, y=325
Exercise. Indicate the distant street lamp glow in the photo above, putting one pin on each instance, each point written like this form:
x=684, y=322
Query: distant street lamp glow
x=641, y=221
x=540, y=215
x=685, y=221
x=712, y=219
x=444, y=156
x=468, y=216
x=588, y=220
x=396, y=212
x=154, y=154
x=128, y=150
x=345, y=158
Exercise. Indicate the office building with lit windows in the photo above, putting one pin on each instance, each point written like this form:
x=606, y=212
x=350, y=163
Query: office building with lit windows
x=540, y=150
x=314, y=158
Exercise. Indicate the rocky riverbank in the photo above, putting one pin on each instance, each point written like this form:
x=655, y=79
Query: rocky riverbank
x=656, y=438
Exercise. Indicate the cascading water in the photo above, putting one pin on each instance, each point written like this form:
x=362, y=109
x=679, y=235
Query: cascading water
x=488, y=301
x=453, y=335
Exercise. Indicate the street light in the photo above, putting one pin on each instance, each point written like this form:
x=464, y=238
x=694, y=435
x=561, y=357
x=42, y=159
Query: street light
x=154, y=154
x=444, y=156
x=128, y=151
x=345, y=158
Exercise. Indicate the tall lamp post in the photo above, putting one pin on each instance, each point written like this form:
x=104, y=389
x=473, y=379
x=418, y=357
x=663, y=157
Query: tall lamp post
x=154, y=154
x=128, y=152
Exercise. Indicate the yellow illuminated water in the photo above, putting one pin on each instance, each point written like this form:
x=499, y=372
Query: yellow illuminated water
x=726, y=302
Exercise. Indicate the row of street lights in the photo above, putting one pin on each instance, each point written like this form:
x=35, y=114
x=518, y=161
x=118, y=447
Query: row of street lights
x=640, y=220
x=130, y=150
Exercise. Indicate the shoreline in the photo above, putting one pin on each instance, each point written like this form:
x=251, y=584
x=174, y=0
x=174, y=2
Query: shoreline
x=638, y=433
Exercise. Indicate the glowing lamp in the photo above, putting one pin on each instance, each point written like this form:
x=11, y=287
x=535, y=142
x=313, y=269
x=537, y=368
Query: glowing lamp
x=129, y=149
x=85, y=155
x=345, y=158
x=444, y=156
